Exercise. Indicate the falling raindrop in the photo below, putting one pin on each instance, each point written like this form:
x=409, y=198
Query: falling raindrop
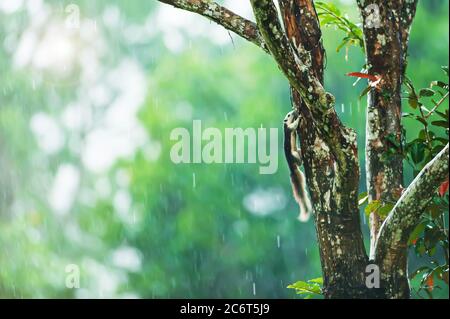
x=306, y=251
x=342, y=108
x=194, y=183
x=278, y=241
x=254, y=289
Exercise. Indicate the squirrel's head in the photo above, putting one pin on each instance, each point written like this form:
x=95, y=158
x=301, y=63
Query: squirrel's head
x=291, y=120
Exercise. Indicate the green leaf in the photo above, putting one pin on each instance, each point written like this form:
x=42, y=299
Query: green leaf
x=417, y=152
x=443, y=115
x=331, y=16
x=437, y=149
x=303, y=287
x=317, y=280
x=440, y=84
x=392, y=138
x=416, y=233
x=426, y=92
x=372, y=207
x=442, y=141
x=365, y=92
x=363, y=198
x=413, y=101
x=408, y=115
x=385, y=209
x=432, y=251
x=343, y=44
x=418, y=271
x=422, y=135
x=421, y=120
x=420, y=248
x=309, y=288
x=440, y=123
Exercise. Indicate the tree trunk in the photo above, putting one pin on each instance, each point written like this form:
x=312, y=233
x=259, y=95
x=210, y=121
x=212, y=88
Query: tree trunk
x=386, y=32
x=333, y=181
x=334, y=191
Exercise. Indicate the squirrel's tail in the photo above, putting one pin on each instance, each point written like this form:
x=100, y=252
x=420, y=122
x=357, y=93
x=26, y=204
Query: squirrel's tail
x=305, y=210
x=300, y=195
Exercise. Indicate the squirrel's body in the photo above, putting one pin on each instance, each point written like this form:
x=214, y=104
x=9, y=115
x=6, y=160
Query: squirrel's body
x=294, y=160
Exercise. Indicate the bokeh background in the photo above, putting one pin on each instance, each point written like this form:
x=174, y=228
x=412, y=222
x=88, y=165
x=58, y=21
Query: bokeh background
x=89, y=93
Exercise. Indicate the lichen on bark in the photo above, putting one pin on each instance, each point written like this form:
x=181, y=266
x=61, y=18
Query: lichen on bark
x=221, y=15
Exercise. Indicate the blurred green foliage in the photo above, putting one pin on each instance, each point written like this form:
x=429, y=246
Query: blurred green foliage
x=185, y=230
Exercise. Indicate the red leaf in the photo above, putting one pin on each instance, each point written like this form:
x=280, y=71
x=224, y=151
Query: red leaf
x=360, y=75
x=430, y=283
x=444, y=188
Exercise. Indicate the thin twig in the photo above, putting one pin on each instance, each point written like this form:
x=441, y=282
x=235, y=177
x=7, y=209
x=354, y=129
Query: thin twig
x=436, y=106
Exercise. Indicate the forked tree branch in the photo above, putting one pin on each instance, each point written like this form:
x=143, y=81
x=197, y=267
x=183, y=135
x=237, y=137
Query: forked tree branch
x=396, y=229
x=222, y=16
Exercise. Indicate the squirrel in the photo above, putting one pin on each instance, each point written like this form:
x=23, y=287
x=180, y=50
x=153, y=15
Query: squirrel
x=294, y=159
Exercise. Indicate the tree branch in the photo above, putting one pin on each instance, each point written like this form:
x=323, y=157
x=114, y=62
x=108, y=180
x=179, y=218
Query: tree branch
x=396, y=229
x=296, y=67
x=302, y=26
x=222, y=16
